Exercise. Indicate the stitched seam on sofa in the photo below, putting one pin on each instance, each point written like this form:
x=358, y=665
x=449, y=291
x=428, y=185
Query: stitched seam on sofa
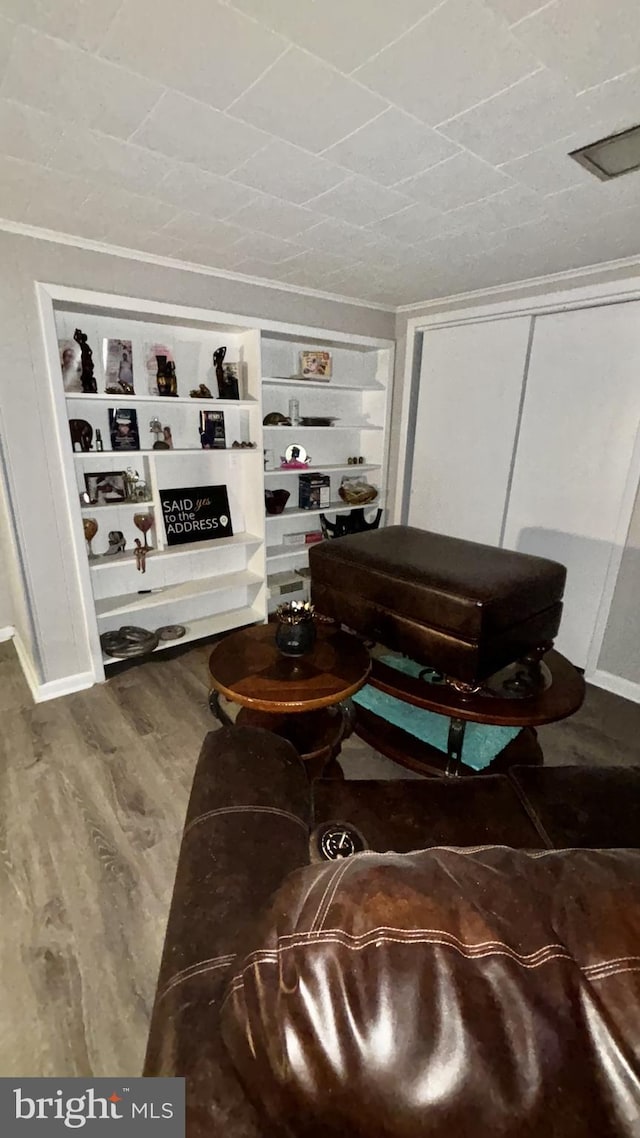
x=598, y=971
x=616, y=972
x=327, y=887
x=272, y=956
x=411, y=935
x=615, y=960
x=245, y=810
x=176, y=981
x=198, y=964
x=338, y=880
x=469, y=952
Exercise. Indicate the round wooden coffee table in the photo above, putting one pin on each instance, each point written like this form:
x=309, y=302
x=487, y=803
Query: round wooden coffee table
x=296, y=697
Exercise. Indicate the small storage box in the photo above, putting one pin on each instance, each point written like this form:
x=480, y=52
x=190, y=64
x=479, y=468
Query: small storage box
x=314, y=491
x=460, y=607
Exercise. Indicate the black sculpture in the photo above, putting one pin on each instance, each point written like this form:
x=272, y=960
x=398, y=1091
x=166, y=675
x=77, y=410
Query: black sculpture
x=354, y=522
x=87, y=378
x=227, y=381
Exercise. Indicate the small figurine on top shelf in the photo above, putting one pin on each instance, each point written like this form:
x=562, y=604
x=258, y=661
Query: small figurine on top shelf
x=226, y=376
x=87, y=378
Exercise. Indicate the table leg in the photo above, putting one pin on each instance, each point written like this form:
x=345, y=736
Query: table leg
x=455, y=741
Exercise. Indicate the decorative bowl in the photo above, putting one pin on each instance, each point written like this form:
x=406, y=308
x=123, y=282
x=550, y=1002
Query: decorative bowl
x=276, y=500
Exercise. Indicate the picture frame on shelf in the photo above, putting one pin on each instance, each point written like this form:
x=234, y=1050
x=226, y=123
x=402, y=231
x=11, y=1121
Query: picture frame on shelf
x=71, y=365
x=212, y=430
x=117, y=360
x=315, y=365
x=156, y=357
x=106, y=487
x=123, y=428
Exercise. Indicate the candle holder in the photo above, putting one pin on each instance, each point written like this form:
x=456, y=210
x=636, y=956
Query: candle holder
x=296, y=630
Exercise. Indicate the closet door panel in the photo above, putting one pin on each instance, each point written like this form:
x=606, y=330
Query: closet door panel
x=468, y=404
x=579, y=421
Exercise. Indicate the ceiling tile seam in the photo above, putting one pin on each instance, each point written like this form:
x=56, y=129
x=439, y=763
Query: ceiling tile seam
x=231, y=174
x=606, y=82
x=549, y=4
x=489, y=99
x=285, y=51
x=131, y=137
x=84, y=51
x=396, y=39
x=116, y=14
x=321, y=153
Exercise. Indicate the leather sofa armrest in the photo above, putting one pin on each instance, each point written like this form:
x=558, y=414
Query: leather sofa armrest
x=247, y=827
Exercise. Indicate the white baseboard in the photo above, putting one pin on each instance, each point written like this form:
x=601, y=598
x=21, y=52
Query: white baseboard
x=7, y=633
x=616, y=684
x=53, y=689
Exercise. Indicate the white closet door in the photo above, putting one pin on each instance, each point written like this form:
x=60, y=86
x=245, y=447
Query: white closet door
x=579, y=421
x=469, y=397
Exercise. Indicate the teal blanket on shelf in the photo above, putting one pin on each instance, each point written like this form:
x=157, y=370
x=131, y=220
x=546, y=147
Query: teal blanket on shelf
x=482, y=742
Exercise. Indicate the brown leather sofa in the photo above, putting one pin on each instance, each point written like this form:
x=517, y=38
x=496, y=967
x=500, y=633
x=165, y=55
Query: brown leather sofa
x=454, y=992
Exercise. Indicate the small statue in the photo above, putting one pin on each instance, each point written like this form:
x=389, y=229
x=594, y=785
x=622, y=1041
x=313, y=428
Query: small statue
x=227, y=381
x=168, y=438
x=201, y=392
x=87, y=378
x=140, y=556
x=117, y=542
x=136, y=486
x=166, y=376
x=81, y=434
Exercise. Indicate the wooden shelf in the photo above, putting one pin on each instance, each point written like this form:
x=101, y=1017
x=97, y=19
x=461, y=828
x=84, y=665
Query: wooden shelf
x=126, y=454
x=246, y=539
x=300, y=384
x=201, y=627
x=333, y=427
x=126, y=505
x=328, y=468
x=338, y=507
x=283, y=552
x=171, y=400
x=128, y=603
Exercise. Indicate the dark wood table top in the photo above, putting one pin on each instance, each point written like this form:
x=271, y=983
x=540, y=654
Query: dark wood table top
x=561, y=698
x=248, y=668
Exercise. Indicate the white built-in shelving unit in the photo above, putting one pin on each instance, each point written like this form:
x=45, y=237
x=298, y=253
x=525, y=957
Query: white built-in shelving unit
x=216, y=585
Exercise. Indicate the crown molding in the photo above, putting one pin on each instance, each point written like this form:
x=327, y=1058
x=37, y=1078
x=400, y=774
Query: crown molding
x=495, y=292
x=572, y=276
x=23, y=230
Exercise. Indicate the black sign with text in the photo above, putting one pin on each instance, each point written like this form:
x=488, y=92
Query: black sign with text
x=196, y=513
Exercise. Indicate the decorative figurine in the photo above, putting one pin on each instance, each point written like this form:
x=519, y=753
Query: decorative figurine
x=168, y=438
x=201, y=392
x=140, y=554
x=117, y=542
x=136, y=486
x=166, y=377
x=87, y=378
x=82, y=434
x=226, y=377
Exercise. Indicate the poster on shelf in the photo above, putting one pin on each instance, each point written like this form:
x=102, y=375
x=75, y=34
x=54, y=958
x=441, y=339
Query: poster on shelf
x=196, y=513
x=123, y=427
x=156, y=358
x=71, y=364
x=117, y=360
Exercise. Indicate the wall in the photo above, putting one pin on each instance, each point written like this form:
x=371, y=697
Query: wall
x=53, y=631
x=620, y=652
x=6, y=561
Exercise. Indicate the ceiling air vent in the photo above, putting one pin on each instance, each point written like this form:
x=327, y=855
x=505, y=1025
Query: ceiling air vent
x=610, y=157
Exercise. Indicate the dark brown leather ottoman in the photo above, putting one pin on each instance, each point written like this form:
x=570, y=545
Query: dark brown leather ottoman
x=587, y=807
x=463, y=608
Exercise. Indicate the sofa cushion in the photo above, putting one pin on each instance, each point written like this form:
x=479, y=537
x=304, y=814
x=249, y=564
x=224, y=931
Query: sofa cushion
x=446, y=992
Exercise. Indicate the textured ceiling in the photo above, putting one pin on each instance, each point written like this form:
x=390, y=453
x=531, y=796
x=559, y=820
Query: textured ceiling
x=389, y=150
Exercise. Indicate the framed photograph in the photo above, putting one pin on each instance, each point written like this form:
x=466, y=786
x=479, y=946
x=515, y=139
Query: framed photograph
x=212, y=433
x=156, y=358
x=118, y=367
x=196, y=513
x=123, y=427
x=106, y=488
x=71, y=364
x=315, y=365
